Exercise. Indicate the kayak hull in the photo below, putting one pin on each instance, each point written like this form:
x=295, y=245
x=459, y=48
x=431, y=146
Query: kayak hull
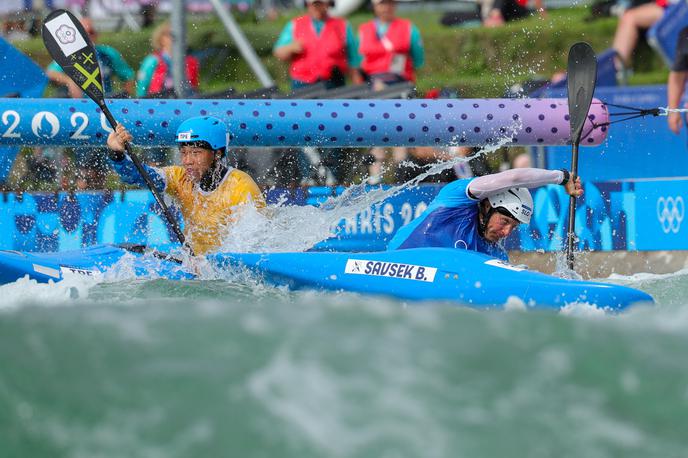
x=421, y=274
x=438, y=274
x=91, y=261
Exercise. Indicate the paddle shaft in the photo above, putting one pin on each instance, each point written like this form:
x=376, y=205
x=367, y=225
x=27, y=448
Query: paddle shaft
x=582, y=74
x=146, y=178
x=571, y=233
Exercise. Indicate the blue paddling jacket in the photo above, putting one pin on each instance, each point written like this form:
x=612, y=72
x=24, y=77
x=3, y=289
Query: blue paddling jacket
x=451, y=221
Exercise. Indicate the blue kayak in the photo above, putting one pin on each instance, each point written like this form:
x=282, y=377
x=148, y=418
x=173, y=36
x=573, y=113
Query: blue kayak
x=421, y=274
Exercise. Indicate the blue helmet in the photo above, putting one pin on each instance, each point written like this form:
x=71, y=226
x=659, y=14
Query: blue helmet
x=206, y=129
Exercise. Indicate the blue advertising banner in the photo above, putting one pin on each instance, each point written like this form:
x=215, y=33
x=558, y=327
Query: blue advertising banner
x=661, y=211
x=646, y=215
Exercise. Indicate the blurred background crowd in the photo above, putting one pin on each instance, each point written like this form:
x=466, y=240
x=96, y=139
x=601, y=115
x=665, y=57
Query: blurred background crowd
x=323, y=55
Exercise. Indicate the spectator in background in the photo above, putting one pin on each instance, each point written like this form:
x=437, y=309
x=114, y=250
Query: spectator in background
x=496, y=12
x=522, y=161
x=155, y=80
x=391, y=47
x=91, y=163
x=318, y=48
x=470, y=164
x=154, y=77
x=628, y=29
x=147, y=11
x=677, y=81
x=392, y=50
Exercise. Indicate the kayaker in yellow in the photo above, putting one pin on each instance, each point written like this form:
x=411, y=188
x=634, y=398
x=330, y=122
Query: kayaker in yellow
x=207, y=190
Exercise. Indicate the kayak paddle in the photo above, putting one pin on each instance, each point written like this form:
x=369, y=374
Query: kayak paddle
x=69, y=45
x=582, y=73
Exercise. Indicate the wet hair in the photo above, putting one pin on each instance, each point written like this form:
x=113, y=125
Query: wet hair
x=505, y=212
x=202, y=144
x=199, y=144
x=158, y=33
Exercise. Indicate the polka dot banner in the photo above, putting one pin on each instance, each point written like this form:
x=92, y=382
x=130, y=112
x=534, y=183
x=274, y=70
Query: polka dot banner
x=341, y=123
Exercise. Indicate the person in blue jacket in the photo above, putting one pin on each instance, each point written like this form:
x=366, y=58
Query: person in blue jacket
x=478, y=213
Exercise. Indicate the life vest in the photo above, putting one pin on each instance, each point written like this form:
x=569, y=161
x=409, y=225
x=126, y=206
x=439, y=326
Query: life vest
x=207, y=214
x=382, y=54
x=162, y=77
x=321, y=53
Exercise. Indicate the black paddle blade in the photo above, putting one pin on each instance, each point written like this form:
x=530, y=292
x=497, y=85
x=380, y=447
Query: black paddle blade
x=582, y=74
x=68, y=43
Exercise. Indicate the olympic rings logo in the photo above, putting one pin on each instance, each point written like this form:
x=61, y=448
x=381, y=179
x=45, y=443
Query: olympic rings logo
x=670, y=213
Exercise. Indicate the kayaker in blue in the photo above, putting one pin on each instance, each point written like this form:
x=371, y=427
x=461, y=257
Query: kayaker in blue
x=478, y=213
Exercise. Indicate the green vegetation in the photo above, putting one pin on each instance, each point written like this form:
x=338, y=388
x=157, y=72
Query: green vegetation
x=478, y=62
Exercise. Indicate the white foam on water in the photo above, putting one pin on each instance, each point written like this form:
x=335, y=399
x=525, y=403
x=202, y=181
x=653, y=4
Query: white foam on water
x=24, y=291
x=514, y=303
x=646, y=276
x=582, y=309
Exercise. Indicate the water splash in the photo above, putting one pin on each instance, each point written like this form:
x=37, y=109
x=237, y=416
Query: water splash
x=282, y=228
x=27, y=291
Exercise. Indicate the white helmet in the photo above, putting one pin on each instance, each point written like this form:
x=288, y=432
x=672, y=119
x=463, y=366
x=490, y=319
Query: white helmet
x=517, y=201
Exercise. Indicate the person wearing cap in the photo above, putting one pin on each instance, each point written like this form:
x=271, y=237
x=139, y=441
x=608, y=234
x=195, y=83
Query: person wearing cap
x=318, y=48
x=206, y=189
x=478, y=213
x=391, y=47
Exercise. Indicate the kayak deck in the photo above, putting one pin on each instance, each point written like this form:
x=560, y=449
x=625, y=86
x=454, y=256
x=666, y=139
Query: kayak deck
x=420, y=274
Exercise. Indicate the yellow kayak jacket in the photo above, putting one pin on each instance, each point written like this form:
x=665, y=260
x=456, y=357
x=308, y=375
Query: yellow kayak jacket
x=207, y=214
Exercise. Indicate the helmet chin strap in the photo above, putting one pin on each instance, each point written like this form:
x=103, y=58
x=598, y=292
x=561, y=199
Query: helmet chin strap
x=484, y=218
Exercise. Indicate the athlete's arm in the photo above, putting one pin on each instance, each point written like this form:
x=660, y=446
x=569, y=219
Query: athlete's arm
x=286, y=46
x=417, y=50
x=125, y=167
x=488, y=185
x=145, y=75
x=352, y=54
x=55, y=74
x=121, y=68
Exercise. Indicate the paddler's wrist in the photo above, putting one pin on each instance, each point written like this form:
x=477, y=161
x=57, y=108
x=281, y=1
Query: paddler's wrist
x=566, y=177
x=116, y=156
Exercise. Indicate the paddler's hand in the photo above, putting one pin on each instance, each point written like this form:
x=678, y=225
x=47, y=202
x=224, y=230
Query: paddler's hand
x=574, y=188
x=117, y=139
x=675, y=122
x=116, y=143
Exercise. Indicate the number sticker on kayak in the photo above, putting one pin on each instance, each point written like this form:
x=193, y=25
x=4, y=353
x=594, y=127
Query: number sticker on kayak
x=390, y=269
